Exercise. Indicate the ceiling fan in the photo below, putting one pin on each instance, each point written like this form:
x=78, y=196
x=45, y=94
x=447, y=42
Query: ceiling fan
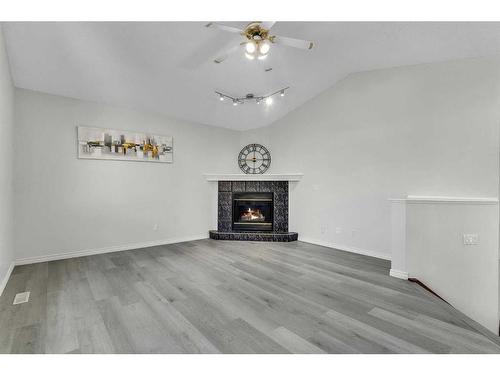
x=258, y=41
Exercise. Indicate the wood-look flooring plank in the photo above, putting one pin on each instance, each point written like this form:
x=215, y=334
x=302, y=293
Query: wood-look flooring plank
x=293, y=342
x=210, y=296
x=458, y=343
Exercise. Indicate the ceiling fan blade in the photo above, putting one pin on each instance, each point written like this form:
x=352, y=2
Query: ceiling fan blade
x=267, y=24
x=291, y=42
x=224, y=27
x=222, y=57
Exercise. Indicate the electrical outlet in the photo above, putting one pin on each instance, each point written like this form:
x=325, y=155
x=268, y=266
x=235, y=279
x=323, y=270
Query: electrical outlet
x=338, y=230
x=323, y=229
x=155, y=227
x=471, y=239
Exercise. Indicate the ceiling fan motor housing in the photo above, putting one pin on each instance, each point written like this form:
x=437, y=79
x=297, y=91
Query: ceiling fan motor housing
x=256, y=33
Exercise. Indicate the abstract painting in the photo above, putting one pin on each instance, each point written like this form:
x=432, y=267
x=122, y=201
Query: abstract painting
x=98, y=143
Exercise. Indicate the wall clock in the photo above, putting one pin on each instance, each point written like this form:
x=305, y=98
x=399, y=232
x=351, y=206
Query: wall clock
x=254, y=159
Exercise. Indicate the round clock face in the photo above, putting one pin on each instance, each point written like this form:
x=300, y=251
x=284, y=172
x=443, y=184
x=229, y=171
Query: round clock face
x=254, y=159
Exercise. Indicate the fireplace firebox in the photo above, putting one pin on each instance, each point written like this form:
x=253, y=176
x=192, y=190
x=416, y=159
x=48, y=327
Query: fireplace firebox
x=253, y=211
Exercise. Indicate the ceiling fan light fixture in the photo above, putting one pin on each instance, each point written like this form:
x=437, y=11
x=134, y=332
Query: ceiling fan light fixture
x=269, y=100
x=262, y=57
x=282, y=93
x=264, y=48
x=250, y=47
x=249, y=56
x=235, y=102
x=221, y=98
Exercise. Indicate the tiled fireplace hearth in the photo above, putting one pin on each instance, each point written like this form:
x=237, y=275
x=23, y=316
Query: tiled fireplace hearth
x=253, y=211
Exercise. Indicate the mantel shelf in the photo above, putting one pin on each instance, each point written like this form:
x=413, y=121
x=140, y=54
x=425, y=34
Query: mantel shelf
x=254, y=177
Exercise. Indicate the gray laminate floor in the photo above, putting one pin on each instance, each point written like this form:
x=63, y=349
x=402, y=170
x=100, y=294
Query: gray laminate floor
x=229, y=297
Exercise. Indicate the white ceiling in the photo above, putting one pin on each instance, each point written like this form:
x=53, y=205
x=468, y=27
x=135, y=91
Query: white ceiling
x=167, y=67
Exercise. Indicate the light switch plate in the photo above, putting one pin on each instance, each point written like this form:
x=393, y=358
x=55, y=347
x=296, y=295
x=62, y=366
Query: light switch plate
x=21, y=298
x=471, y=239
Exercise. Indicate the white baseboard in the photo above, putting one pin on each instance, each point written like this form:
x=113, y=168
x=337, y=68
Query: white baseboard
x=370, y=253
x=399, y=274
x=103, y=250
x=6, y=278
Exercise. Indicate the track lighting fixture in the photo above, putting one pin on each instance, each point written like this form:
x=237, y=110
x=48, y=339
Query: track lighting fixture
x=268, y=99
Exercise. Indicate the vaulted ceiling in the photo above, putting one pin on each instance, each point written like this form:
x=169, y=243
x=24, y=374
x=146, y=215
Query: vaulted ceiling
x=167, y=67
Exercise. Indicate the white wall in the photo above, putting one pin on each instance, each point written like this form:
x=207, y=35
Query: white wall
x=464, y=275
x=423, y=130
x=64, y=204
x=6, y=164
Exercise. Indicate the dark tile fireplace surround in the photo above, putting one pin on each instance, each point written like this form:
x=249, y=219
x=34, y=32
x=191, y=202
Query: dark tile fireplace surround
x=253, y=211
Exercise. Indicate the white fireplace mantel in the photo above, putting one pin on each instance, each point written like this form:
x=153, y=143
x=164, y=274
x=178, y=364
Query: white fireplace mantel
x=254, y=177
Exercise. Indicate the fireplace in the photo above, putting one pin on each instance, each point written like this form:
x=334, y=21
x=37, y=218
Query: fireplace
x=253, y=212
